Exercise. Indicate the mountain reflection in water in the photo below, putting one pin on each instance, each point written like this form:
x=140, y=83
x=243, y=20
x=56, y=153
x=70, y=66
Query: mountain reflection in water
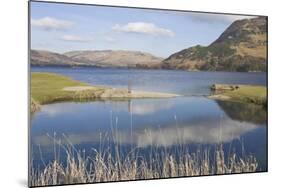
x=230, y=122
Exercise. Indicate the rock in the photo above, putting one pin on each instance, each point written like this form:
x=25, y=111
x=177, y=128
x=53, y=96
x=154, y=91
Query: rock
x=224, y=87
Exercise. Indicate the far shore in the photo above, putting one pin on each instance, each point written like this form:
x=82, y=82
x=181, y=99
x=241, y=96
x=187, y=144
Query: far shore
x=49, y=88
x=134, y=68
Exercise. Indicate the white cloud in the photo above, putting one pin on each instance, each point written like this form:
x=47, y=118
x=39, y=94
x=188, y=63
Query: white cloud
x=143, y=28
x=74, y=38
x=48, y=23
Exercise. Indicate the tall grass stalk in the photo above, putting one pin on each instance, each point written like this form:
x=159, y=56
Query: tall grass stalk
x=105, y=165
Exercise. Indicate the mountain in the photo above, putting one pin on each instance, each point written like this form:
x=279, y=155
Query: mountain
x=241, y=47
x=118, y=58
x=102, y=58
x=40, y=57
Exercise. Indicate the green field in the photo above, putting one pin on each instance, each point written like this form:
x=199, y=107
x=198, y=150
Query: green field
x=246, y=93
x=49, y=87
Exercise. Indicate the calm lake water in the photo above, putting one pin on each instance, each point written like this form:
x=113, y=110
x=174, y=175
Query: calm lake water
x=192, y=120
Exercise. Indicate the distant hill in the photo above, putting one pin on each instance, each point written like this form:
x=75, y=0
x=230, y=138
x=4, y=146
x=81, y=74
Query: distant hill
x=241, y=47
x=40, y=57
x=103, y=58
x=118, y=58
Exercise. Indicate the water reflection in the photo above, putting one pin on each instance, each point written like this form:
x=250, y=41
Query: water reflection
x=244, y=112
x=206, y=133
x=182, y=121
x=212, y=132
x=59, y=109
x=144, y=107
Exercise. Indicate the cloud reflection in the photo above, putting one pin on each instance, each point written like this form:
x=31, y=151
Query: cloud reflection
x=199, y=133
x=142, y=107
x=53, y=110
x=224, y=132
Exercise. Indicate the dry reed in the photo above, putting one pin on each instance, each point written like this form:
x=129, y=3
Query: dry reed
x=106, y=165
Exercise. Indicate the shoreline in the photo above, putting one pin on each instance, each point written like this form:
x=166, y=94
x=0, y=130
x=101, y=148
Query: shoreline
x=109, y=93
x=136, y=68
x=47, y=88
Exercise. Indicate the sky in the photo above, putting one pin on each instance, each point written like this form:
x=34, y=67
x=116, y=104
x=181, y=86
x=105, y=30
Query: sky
x=67, y=27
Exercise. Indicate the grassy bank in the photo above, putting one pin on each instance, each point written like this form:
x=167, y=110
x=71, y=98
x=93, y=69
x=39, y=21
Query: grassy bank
x=105, y=165
x=241, y=93
x=34, y=106
x=48, y=88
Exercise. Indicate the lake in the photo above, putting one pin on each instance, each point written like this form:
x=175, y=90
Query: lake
x=192, y=120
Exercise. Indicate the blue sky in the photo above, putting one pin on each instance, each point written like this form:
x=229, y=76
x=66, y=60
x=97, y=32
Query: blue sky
x=65, y=27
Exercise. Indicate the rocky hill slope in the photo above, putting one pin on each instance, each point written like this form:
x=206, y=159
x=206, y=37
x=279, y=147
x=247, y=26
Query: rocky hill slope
x=241, y=47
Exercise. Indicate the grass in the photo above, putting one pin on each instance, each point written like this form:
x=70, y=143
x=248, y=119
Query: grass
x=105, y=165
x=247, y=94
x=34, y=106
x=48, y=88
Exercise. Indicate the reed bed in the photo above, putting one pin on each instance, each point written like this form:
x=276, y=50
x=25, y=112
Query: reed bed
x=105, y=165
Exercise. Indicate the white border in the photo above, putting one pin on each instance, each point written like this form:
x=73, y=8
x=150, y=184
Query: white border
x=13, y=100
